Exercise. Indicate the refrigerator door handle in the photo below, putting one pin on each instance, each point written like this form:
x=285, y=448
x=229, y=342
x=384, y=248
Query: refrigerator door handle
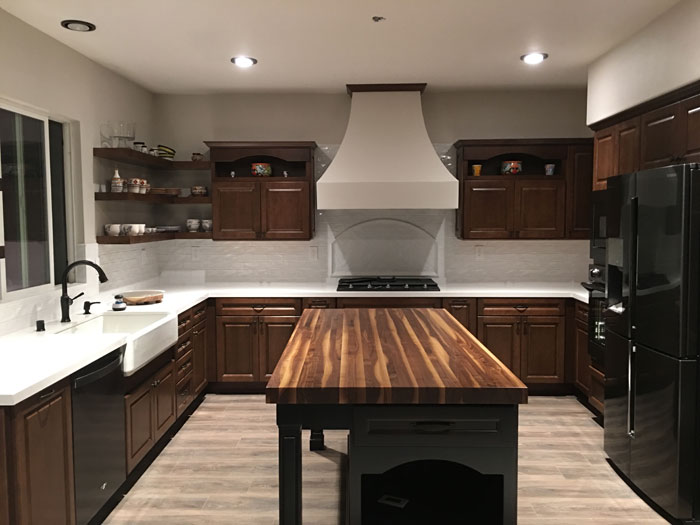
x=630, y=390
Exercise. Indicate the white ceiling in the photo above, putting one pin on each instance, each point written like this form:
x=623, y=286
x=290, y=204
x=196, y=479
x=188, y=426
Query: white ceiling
x=184, y=46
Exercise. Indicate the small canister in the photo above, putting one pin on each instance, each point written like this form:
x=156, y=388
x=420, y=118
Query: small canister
x=117, y=183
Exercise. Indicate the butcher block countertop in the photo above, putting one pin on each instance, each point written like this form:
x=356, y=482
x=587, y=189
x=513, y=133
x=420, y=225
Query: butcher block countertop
x=389, y=356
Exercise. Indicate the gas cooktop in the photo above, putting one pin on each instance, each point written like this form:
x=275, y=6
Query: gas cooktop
x=387, y=284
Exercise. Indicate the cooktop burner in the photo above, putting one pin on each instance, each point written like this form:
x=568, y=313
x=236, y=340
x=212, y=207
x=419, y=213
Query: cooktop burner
x=387, y=284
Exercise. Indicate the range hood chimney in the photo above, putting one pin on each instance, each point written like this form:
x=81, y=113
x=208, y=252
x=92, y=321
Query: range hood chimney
x=386, y=159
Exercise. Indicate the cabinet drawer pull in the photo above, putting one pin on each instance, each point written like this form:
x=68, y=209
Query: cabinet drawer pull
x=459, y=306
x=183, y=324
x=196, y=332
x=47, y=394
x=183, y=347
x=521, y=307
x=199, y=314
x=155, y=383
x=259, y=308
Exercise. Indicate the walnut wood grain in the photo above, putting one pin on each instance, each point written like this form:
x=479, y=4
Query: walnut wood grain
x=389, y=356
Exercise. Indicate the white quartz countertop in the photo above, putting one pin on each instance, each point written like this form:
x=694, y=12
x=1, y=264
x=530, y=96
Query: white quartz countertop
x=31, y=361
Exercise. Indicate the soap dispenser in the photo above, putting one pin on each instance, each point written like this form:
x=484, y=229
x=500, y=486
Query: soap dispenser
x=119, y=304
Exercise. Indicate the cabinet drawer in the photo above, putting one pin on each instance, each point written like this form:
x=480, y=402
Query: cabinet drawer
x=319, y=302
x=183, y=345
x=184, y=322
x=184, y=365
x=596, y=392
x=264, y=306
x=198, y=313
x=582, y=312
x=497, y=306
x=184, y=394
x=443, y=426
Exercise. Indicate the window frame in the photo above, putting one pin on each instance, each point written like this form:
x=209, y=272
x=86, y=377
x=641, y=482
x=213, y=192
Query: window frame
x=5, y=295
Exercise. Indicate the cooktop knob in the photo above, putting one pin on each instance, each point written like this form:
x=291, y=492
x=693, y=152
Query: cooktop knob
x=425, y=286
x=388, y=287
x=406, y=286
x=369, y=286
x=595, y=272
x=351, y=286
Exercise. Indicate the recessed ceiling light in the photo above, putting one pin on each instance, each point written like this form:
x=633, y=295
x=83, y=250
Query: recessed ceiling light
x=534, y=58
x=78, y=25
x=244, y=62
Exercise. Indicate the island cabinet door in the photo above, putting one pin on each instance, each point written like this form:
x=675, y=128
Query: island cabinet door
x=464, y=310
x=542, y=356
x=488, y=209
x=236, y=210
x=275, y=332
x=501, y=335
x=140, y=431
x=540, y=209
x=286, y=210
x=237, y=356
x=42, y=441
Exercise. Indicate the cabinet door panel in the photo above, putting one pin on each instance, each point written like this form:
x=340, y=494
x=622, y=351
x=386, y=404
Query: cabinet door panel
x=464, y=310
x=199, y=357
x=43, y=446
x=140, y=432
x=628, y=139
x=604, y=157
x=501, y=335
x=542, y=357
x=661, y=136
x=164, y=400
x=286, y=210
x=488, y=209
x=690, y=129
x=237, y=348
x=4, y=503
x=578, y=189
x=236, y=210
x=540, y=209
x=582, y=359
x=274, y=335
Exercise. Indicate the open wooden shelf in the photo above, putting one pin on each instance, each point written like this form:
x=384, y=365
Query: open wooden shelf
x=151, y=237
x=136, y=158
x=152, y=198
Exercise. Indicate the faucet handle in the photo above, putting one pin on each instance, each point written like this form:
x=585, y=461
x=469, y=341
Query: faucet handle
x=74, y=298
x=87, y=305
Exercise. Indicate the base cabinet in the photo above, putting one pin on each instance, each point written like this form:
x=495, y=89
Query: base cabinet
x=464, y=310
x=582, y=359
x=4, y=501
x=41, y=440
x=200, y=343
x=150, y=411
x=532, y=346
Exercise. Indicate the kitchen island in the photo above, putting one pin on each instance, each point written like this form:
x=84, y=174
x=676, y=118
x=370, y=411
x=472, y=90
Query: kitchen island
x=411, y=385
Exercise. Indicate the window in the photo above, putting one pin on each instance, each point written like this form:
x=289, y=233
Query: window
x=33, y=225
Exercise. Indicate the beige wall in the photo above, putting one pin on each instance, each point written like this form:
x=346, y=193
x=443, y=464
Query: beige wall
x=184, y=121
x=661, y=57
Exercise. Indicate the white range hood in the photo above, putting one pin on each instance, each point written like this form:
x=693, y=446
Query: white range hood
x=386, y=159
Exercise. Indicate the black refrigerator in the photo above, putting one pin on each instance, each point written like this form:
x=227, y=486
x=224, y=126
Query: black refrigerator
x=651, y=327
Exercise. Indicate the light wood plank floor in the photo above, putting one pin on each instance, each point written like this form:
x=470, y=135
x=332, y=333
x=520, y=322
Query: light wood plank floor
x=222, y=468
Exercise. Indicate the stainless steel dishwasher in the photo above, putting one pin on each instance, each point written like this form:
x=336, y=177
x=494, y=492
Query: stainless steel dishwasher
x=99, y=446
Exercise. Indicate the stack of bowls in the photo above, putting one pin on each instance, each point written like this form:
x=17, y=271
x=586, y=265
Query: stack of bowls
x=166, y=152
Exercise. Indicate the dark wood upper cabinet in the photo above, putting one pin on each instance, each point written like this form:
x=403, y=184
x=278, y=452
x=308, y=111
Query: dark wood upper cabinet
x=488, y=209
x=540, y=209
x=237, y=356
x=275, y=332
x=690, y=129
x=276, y=207
x=285, y=210
x=531, y=204
x=627, y=146
x=42, y=459
x=604, y=157
x=578, y=191
x=236, y=210
x=661, y=137
x=464, y=310
x=501, y=335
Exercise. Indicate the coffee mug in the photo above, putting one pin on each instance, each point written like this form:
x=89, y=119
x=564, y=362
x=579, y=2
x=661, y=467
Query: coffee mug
x=112, y=229
x=141, y=229
x=206, y=225
x=193, y=225
x=129, y=229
